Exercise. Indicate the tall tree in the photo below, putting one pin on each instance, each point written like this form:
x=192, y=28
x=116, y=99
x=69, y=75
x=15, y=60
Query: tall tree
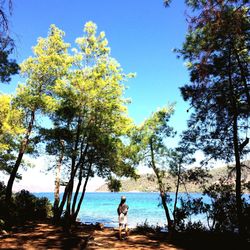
x=150, y=141
x=91, y=119
x=217, y=54
x=49, y=65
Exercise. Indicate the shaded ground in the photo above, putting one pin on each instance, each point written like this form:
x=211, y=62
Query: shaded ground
x=108, y=239
x=47, y=236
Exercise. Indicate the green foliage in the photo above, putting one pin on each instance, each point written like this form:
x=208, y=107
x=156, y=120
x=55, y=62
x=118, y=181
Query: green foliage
x=49, y=65
x=89, y=118
x=91, y=109
x=10, y=122
x=153, y=132
x=114, y=185
x=217, y=53
x=219, y=210
x=24, y=206
x=149, y=140
x=146, y=228
x=31, y=207
x=11, y=127
x=8, y=66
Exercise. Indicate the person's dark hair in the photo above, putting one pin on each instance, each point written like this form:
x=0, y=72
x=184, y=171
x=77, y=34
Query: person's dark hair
x=123, y=199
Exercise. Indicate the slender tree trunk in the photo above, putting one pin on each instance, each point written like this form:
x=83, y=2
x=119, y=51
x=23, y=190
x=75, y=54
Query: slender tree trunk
x=176, y=194
x=161, y=189
x=238, y=176
x=66, y=193
x=71, y=186
x=81, y=162
x=77, y=190
x=57, y=182
x=236, y=148
x=61, y=206
x=74, y=166
x=22, y=149
x=82, y=195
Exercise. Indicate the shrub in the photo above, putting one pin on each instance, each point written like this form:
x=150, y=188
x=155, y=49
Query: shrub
x=24, y=206
x=146, y=228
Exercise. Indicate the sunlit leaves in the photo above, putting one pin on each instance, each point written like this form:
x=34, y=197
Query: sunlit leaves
x=10, y=122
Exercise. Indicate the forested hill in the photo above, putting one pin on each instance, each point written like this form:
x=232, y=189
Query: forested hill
x=147, y=182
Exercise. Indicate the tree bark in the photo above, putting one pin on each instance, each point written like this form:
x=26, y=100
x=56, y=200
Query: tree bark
x=77, y=190
x=57, y=182
x=236, y=148
x=176, y=193
x=81, y=163
x=22, y=149
x=238, y=176
x=82, y=195
x=161, y=189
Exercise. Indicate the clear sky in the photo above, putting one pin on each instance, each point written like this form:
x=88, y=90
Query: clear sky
x=141, y=34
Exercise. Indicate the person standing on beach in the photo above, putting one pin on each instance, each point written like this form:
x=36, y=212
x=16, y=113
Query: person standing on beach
x=122, y=211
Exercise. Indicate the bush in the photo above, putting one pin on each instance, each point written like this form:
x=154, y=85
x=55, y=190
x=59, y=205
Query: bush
x=220, y=211
x=24, y=206
x=146, y=228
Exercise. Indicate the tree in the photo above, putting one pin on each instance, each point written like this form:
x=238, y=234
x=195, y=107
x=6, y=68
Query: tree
x=150, y=141
x=114, y=185
x=217, y=54
x=8, y=66
x=90, y=119
x=11, y=127
x=48, y=66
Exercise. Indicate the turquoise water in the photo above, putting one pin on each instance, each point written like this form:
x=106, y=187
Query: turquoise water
x=101, y=207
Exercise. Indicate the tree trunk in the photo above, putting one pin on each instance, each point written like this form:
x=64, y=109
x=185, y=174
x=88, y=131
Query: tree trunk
x=81, y=162
x=66, y=193
x=77, y=190
x=238, y=176
x=161, y=189
x=22, y=149
x=57, y=182
x=82, y=195
x=61, y=206
x=236, y=147
x=176, y=193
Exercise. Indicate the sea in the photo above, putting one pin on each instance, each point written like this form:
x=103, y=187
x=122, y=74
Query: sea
x=144, y=208
x=101, y=207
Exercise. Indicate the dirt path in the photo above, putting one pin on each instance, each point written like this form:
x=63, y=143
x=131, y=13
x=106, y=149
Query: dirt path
x=108, y=239
x=48, y=236
x=44, y=236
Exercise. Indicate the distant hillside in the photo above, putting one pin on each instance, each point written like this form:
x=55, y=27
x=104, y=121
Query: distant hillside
x=148, y=183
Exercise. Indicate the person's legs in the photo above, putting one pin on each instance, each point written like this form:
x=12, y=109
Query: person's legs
x=126, y=230
x=120, y=231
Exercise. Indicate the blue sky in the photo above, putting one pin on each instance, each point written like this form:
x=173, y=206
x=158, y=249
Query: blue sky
x=142, y=36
